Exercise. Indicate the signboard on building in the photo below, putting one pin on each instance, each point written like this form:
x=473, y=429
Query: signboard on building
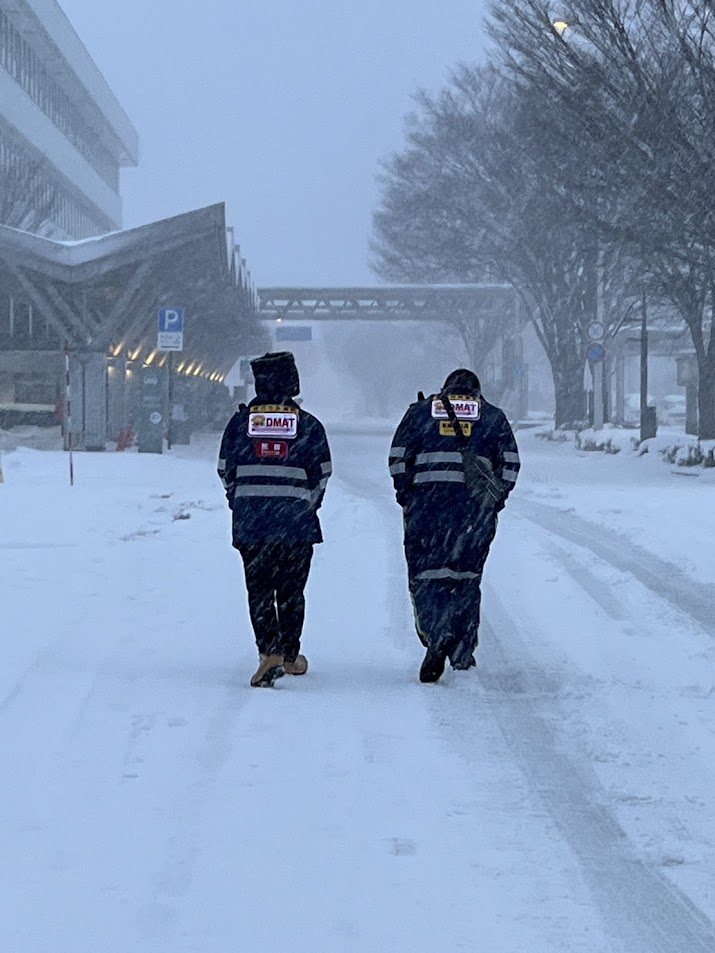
x=294, y=332
x=244, y=372
x=171, y=330
x=153, y=405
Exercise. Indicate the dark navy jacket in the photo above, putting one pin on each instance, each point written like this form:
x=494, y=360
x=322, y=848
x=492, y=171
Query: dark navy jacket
x=274, y=479
x=447, y=530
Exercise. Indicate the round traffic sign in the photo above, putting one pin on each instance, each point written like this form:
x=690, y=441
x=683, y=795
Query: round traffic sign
x=155, y=417
x=596, y=331
x=595, y=352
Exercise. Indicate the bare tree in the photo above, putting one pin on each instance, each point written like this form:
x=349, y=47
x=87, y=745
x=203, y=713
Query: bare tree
x=628, y=87
x=477, y=191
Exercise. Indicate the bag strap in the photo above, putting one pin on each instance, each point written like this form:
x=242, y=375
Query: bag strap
x=475, y=464
x=453, y=419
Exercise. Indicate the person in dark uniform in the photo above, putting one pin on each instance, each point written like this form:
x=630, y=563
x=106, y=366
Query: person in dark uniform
x=453, y=462
x=275, y=463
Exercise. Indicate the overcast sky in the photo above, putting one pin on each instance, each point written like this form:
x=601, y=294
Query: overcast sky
x=280, y=108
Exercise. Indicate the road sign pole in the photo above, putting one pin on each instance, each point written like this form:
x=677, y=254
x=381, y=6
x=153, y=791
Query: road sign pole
x=598, y=396
x=68, y=411
x=170, y=395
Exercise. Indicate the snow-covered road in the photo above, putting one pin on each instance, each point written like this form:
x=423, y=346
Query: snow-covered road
x=559, y=799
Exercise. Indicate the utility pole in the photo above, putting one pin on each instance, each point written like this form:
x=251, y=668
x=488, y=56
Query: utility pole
x=598, y=366
x=648, y=421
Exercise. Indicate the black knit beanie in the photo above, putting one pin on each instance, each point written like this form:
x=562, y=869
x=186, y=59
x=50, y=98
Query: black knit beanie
x=276, y=376
x=462, y=381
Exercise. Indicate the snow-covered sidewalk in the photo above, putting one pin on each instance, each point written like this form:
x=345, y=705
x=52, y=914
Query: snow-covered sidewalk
x=154, y=802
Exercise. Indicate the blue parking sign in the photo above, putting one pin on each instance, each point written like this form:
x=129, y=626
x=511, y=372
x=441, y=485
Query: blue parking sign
x=171, y=319
x=171, y=329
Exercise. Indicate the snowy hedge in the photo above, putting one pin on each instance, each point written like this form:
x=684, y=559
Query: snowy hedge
x=682, y=450
x=608, y=440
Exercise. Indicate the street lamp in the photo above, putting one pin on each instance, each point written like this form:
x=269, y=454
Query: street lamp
x=561, y=26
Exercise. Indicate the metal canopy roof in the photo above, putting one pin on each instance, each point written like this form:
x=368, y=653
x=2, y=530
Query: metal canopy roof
x=102, y=294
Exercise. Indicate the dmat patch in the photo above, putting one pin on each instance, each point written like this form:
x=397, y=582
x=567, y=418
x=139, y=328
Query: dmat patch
x=465, y=408
x=273, y=421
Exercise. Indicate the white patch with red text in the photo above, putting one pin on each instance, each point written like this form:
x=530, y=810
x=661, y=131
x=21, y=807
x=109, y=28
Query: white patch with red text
x=465, y=408
x=270, y=424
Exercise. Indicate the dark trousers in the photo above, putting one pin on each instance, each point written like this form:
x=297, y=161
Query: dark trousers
x=447, y=614
x=276, y=574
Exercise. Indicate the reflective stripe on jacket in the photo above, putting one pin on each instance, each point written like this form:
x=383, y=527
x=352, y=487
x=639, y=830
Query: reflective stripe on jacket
x=447, y=530
x=275, y=486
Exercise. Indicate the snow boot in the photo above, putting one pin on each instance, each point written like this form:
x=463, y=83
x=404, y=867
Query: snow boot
x=433, y=665
x=462, y=664
x=299, y=665
x=270, y=668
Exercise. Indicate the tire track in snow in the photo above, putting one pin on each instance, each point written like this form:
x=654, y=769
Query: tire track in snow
x=667, y=580
x=586, y=579
x=642, y=910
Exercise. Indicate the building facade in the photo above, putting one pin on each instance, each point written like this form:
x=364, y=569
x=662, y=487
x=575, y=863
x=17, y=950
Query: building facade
x=63, y=135
x=80, y=297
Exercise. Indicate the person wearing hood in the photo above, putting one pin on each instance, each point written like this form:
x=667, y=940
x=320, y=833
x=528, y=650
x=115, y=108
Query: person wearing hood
x=453, y=462
x=274, y=463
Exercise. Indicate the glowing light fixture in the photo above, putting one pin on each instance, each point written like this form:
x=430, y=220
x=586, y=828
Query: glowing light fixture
x=561, y=26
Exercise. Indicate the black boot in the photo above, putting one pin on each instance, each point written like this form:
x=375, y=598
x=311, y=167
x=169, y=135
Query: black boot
x=433, y=665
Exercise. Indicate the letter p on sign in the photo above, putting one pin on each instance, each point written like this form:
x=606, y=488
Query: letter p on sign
x=171, y=319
